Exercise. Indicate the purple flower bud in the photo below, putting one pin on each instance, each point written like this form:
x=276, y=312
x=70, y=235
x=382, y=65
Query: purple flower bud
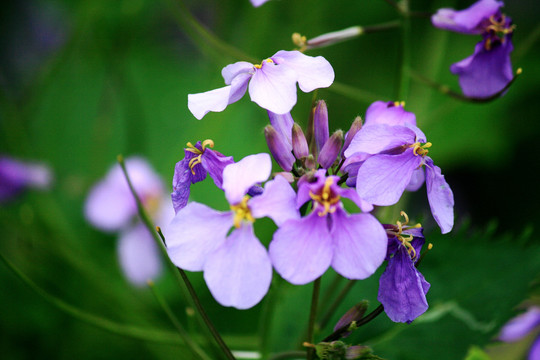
x=282, y=123
x=279, y=147
x=299, y=142
x=331, y=149
x=355, y=127
x=354, y=314
x=320, y=124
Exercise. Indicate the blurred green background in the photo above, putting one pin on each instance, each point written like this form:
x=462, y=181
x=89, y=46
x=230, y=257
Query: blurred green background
x=83, y=81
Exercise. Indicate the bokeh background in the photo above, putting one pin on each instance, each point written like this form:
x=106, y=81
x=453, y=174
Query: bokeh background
x=84, y=81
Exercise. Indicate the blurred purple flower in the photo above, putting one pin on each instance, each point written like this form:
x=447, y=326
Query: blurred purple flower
x=402, y=288
x=198, y=161
x=397, y=155
x=489, y=69
x=272, y=84
x=303, y=249
x=110, y=207
x=521, y=326
x=17, y=175
x=258, y=3
x=236, y=266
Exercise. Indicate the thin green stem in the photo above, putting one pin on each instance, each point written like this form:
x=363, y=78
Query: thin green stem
x=354, y=92
x=183, y=280
x=267, y=315
x=405, y=57
x=145, y=334
x=312, y=316
x=176, y=323
x=331, y=310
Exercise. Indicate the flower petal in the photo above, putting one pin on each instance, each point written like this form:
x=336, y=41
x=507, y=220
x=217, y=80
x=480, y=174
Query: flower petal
x=283, y=124
x=239, y=272
x=195, y=231
x=381, y=112
x=278, y=201
x=215, y=162
x=372, y=139
x=382, y=178
x=521, y=325
x=440, y=197
x=360, y=243
x=273, y=88
x=240, y=176
x=417, y=180
x=214, y=100
x=138, y=255
x=467, y=21
x=313, y=72
x=301, y=250
x=231, y=71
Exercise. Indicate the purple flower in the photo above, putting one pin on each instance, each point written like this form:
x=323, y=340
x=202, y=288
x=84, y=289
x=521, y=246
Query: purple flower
x=397, y=155
x=303, y=249
x=258, y=3
x=236, y=266
x=272, y=84
x=110, y=207
x=198, y=161
x=16, y=176
x=402, y=288
x=489, y=69
x=522, y=325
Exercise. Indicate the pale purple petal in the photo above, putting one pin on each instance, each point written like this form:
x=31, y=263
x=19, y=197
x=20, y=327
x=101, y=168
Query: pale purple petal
x=239, y=272
x=239, y=87
x=382, y=178
x=360, y=244
x=258, y=3
x=381, y=112
x=138, y=255
x=214, y=100
x=215, y=162
x=321, y=133
x=16, y=175
x=372, y=139
x=466, y=21
x=417, y=180
x=273, y=88
x=307, y=183
x=351, y=194
x=278, y=202
x=195, y=231
x=485, y=72
x=520, y=326
x=313, y=72
x=240, y=176
x=231, y=71
x=301, y=250
x=283, y=124
x=440, y=197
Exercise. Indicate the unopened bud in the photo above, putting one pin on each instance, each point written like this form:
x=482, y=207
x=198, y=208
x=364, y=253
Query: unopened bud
x=334, y=37
x=331, y=149
x=355, y=127
x=282, y=123
x=320, y=124
x=299, y=142
x=279, y=148
x=351, y=317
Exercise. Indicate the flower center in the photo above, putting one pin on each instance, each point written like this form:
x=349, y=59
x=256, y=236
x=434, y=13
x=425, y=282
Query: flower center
x=419, y=149
x=405, y=240
x=242, y=212
x=397, y=104
x=497, y=29
x=270, y=61
x=326, y=198
x=197, y=159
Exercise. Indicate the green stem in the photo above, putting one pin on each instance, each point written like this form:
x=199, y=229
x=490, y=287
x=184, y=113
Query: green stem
x=267, y=315
x=312, y=316
x=288, y=355
x=331, y=310
x=183, y=334
x=145, y=334
x=354, y=92
x=404, y=77
x=181, y=276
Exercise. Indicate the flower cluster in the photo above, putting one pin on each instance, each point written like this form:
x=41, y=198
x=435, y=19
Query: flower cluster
x=110, y=207
x=489, y=69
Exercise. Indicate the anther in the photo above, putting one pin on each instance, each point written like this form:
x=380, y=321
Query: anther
x=420, y=150
x=241, y=212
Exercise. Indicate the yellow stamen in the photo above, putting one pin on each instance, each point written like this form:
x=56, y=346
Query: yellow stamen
x=399, y=103
x=419, y=149
x=325, y=198
x=262, y=62
x=242, y=212
x=197, y=160
x=299, y=40
x=406, y=239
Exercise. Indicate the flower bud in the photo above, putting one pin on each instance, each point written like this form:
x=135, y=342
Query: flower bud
x=320, y=125
x=282, y=124
x=331, y=149
x=351, y=317
x=279, y=148
x=299, y=142
x=334, y=37
x=355, y=127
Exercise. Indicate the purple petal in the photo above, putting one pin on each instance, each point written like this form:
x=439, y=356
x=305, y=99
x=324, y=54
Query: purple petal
x=521, y=325
x=16, y=175
x=382, y=178
x=283, y=124
x=417, y=180
x=231, y=71
x=181, y=183
x=308, y=183
x=273, y=88
x=534, y=351
x=138, y=255
x=331, y=150
x=215, y=162
x=279, y=147
x=278, y=202
x=195, y=232
x=372, y=139
x=240, y=176
x=440, y=197
x=258, y=3
x=355, y=128
x=359, y=244
x=313, y=72
x=239, y=272
x=320, y=125
x=301, y=250
x=351, y=194
x=485, y=72
x=381, y=112
x=402, y=289
x=466, y=21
